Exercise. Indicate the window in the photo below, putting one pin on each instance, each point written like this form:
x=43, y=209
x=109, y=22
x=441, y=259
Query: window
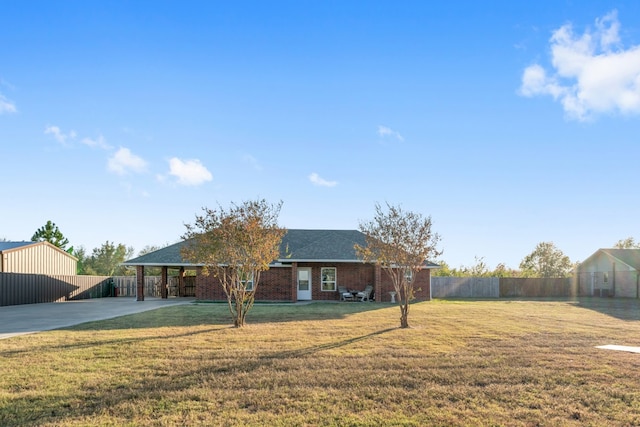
x=605, y=279
x=328, y=275
x=247, y=281
x=408, y=275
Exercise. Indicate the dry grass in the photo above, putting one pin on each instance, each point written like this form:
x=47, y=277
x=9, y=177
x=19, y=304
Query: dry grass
x=462, y=363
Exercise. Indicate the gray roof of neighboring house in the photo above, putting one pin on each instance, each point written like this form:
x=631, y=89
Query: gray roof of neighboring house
x=631, y=257
x=297, y=245
x=5, y=246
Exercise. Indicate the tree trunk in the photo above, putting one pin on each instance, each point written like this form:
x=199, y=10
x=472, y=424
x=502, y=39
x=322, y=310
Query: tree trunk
x=404, y=314
x=240, y=314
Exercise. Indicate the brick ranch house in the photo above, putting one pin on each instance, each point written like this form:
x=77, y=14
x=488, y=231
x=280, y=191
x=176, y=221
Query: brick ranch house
x=311, y=266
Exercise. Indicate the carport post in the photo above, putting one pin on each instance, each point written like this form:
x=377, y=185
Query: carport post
x=164, y=279
x=140, y=282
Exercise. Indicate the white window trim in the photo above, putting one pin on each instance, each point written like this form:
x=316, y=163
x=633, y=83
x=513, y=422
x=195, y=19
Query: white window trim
x=335, y=281
x=248, y=284
x=408, y=275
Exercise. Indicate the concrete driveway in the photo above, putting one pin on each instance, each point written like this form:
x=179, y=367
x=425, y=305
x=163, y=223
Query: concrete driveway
x=31, y=318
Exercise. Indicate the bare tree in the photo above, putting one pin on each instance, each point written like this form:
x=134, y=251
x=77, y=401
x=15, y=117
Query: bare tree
x=236, y=245
x=400, y=242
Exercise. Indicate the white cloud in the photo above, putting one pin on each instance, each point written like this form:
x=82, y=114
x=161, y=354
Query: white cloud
x=7, y=106
x=592, y=73
x=189, y=172
x=384, y=132
x=124, y=161
x=321, y=182
x=99, y=142
x=59, y=136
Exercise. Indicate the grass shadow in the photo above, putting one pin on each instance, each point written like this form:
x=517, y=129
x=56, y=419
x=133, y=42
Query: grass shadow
x=627, y=309
x=213, y=317
x=111, y=341
x=156, y=387
x=207, y=314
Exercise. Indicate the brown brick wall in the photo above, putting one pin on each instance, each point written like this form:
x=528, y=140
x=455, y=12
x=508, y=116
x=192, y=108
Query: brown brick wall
x=350, y=275
x=421, y=286
x=276, y=283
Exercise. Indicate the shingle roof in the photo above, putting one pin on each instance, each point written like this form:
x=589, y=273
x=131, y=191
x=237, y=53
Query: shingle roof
x=168, y=256
x=631, y=257
x=320, y=245
x=297, y=245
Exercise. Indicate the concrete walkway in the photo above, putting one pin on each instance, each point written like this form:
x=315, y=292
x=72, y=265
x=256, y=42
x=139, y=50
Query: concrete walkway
x=31, y=318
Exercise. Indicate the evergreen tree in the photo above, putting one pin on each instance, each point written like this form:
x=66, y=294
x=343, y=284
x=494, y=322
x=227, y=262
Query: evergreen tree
x=52, y=234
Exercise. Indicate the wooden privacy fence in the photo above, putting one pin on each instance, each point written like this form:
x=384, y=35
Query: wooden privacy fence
x=506, y=287
x=465, y=287
x=511, y=287
x=127, y=286
x=18, y=288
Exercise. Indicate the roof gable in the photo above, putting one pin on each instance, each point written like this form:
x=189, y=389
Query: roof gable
x=631, y=257
x=18, y=246
x=5, y=246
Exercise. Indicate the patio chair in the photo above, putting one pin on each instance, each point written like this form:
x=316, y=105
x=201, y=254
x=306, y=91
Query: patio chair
x=345, y=295
x=366, y=294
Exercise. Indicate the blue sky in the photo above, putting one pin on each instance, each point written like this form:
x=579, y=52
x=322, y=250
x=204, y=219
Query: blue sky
x=510, y=123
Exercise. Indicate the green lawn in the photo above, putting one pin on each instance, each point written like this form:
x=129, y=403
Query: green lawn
x=461, y=363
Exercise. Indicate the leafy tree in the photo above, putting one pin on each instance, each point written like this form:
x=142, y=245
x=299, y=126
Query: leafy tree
x=400, y=242
x=50, y=233
x=236, y=245
x=81, y=255
x=478, y=269
x=148, y=249
x=546, y=260
x=445, y=270
x=106, y=260
x=502, y=270
x=628, y=243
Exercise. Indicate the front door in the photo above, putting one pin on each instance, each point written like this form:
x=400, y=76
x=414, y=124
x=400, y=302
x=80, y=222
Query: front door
x=304, y=283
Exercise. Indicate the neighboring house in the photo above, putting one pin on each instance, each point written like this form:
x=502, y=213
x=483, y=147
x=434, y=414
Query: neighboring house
x=610, y=272
x=36, y=258
x=311, y=266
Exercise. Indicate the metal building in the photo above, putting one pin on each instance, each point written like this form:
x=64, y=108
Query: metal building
x=36, y=258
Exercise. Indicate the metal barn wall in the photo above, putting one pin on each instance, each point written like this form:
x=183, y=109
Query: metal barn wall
x=19, y=288
x=40, y=258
